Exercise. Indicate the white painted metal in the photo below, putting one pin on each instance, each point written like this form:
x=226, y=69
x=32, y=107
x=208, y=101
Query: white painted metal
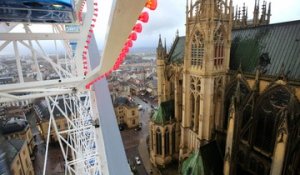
x=81, y=143
x=123, y=18
x=40, y=36
x=78, y=141
x=18, y=60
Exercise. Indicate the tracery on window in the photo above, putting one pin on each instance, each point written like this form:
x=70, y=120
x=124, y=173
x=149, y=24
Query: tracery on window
x=267, y=116
x=219, y=48
x=197, y=49
x=167, y=142
x=247, y=114
x=229, y=94
x=192, y=111
x=173, y=139
x=195, y=102
x=158, y=142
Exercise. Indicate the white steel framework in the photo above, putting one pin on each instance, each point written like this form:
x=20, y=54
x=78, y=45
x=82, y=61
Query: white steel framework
x=61, y=77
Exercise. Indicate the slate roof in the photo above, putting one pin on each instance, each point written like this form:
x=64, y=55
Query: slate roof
x=11, y=148
x=13, y=125
x=176, y=54
x=269, y=46
x=123, y=101
x=164, y=113
x=4, y=168
x=206, y=160
x=42, y=107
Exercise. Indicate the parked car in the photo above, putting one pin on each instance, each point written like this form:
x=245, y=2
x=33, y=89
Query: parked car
x=140, y=107
x=137, y=160
x=121, y=127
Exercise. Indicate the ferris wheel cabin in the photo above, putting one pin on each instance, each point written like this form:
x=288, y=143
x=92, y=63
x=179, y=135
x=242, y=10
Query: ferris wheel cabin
x=37, y=11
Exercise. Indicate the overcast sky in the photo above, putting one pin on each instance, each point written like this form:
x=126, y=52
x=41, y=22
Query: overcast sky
x=170, y=16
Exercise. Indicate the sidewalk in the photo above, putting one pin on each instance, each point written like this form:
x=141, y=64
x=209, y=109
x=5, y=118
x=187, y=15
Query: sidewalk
x=146, y=158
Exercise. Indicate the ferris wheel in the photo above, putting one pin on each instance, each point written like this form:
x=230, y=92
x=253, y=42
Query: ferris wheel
x=56, y=38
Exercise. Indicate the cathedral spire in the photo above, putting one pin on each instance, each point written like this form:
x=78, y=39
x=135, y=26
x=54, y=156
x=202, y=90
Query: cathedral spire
x=159, y=42
x=165, y=46
x=160, y=49
x=269, y=13
x=256, y=13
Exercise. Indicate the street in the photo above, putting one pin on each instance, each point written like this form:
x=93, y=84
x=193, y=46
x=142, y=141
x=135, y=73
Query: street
x=131, y=138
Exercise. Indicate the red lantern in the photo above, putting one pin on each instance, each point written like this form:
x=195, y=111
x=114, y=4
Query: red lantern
x=125, y=50
x=128, y=43
x=138, y=28
x=151, y=4
x=133, y=36
x=144, y=17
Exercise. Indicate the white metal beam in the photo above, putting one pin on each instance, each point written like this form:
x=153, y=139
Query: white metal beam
x=39, y=36
x=28, y=86
x=7, y=98
x=18, y=61
x=84, y=30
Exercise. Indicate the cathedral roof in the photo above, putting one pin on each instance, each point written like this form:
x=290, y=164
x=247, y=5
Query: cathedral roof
x=193, y=165
x=271, y=47
x=176, y=54
x=205, y=160
x=164, y=113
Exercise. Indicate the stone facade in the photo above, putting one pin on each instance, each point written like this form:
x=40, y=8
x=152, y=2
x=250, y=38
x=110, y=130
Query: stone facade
x=229, y=84
x=61, y=124
x=17, y=128
x=21, y=164
x=126, y=112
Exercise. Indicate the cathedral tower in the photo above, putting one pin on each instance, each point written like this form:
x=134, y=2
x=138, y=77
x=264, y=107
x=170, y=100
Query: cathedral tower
x=206, y=61
x=160, y=62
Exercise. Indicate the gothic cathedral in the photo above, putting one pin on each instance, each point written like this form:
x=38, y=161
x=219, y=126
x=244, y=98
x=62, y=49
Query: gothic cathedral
x=229, y=94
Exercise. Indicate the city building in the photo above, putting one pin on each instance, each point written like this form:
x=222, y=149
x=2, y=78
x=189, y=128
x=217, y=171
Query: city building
x=41, y=109
x=18, y=128
x=235, y=83
x=6, y=80
x=15, y=157
x=126, y=112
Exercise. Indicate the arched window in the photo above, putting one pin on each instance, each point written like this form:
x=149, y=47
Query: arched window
x=167, y=142
x=241, y=157
x=197, y=49
x=192, y=111
x=195, y=102
x=269, y=108
x=158, y=142
x=247, y=113
x=230, y=92
x=197, y=113
x=219, y=48
x=173, y=139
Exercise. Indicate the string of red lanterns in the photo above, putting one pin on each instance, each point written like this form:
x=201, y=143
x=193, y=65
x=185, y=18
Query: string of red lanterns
x=143, y=17
x=89, y=36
